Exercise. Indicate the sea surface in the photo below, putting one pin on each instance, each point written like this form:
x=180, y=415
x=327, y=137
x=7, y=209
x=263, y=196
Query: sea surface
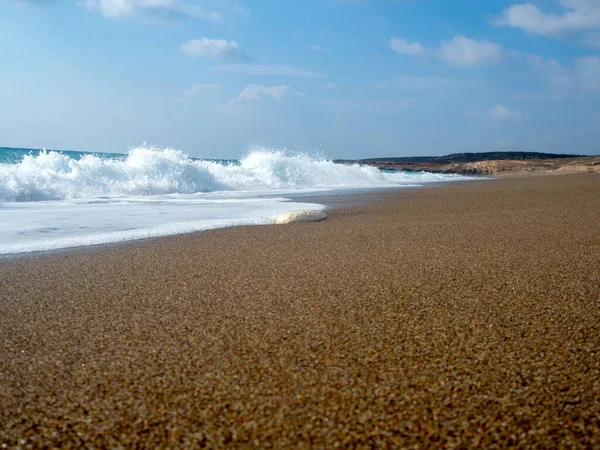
x=57, y=199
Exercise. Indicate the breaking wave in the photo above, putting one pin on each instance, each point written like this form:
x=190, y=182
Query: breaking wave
x=151, y=171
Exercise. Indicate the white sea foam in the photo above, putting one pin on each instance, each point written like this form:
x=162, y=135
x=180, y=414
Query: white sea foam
x=35, y=226
x=149, y=171
x=52, y=201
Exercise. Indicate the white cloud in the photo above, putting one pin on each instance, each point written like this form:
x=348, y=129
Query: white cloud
x=403, y=47
x=256, y=69
x=318, y=48
x=587, y=70
x=167, y=8
x=578, y=15
x=111, y=8
x=255, y=91
x=253, y=94
x=460, y=51
x=330, y=85
x=501, y=112
x=209, y=47
x=466, y=52
x=198, y=89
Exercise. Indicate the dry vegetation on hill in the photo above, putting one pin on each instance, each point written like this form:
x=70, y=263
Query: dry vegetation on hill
x=494, y=163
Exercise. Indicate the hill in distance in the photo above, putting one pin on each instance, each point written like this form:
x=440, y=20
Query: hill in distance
x=486, y=163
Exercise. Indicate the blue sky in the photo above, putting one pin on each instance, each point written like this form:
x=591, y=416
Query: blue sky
x=344, y=78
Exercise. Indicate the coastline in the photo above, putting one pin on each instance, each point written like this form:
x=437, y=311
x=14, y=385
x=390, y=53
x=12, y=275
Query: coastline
x=318, y=199
x=492, y=163
x=462, y=315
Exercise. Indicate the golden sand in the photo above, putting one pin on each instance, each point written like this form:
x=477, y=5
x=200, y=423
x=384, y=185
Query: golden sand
x=461, y=316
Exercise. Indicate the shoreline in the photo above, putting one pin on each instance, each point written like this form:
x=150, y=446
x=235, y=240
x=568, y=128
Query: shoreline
x=330, y=199
x=465, y=315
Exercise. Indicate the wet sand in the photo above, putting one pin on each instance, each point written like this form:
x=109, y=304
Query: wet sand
x=462, y=316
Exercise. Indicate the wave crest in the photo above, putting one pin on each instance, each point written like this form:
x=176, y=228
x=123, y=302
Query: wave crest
x=151, y=171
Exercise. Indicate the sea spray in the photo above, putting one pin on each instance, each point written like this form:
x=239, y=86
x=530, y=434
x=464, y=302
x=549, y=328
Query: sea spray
x=149, y=171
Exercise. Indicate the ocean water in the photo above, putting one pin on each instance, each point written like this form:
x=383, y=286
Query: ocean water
x=51, y=200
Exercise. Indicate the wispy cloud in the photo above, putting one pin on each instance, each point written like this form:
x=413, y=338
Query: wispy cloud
x=501, y=112
x=465, y=52
x=254, y=94
x=199, y=89
x=255, y=91
x=460, y=51
x=206, y=47
x=403, y=47
x=578, y=15
x=161, y=8
x=318, y=48
x=257, y=69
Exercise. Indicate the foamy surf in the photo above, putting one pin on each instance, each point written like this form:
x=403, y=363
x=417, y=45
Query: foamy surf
x=52, y=200
x=53, y=225
x=149, y=171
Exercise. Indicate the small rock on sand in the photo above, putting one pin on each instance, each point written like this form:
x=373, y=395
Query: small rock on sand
x=305, y=215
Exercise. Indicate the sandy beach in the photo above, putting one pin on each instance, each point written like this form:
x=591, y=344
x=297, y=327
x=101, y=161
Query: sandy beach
x=460, y=316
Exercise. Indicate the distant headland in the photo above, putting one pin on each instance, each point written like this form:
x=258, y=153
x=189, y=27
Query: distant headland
x=487, y=163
